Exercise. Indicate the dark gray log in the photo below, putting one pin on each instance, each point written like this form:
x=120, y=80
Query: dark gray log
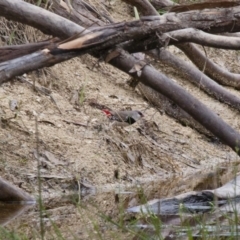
x=10, y=193
x=154, y=79
x=149, y=76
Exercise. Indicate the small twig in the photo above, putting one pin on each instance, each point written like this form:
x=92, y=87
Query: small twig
x=76, y=123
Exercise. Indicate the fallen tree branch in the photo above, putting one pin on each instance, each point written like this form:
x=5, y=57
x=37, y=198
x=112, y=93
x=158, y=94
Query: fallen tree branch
x=160, y=83
x=227, y=19
x=42, y=20
x=72, y=12
x=215, y=72
x=192, y=74
x=164, y=104
x=200, y=37
x=203, y=5
x=211, y=69
x=196, y=77
x=15, y=51
x=154, y=79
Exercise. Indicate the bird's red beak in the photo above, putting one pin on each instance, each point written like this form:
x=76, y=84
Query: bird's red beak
x=107, y=112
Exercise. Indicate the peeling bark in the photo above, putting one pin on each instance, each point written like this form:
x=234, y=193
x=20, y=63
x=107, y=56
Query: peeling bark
x=11, y=52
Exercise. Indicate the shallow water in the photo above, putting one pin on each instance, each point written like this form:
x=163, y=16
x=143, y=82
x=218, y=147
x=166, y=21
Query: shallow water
x=10, y=211
x=78, y=215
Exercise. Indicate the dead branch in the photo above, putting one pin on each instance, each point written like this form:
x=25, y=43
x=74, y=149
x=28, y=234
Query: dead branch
x=200, y=37
x=150, y=77
x=214, y=71
x=10, y=193
x=203, y=5
x=31, y=62
x=195, y=76
x=72, y=12
x=200, y=60
x=42, y=20
x=228, y=20
x=12, y=52
x=154, y=79
x=143, y=7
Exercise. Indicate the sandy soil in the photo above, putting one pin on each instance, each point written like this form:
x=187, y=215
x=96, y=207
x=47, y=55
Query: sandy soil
x=87, y=153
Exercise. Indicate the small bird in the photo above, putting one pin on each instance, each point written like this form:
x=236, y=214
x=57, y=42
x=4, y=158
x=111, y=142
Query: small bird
x=123, y=118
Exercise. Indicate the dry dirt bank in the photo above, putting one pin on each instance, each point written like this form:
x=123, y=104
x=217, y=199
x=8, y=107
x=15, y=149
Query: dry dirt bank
x=89, y=152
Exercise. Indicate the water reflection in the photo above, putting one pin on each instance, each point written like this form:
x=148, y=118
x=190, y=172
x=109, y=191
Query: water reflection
x=76, y=215
x=13, y=202
x=10, y=211
x=191, y=211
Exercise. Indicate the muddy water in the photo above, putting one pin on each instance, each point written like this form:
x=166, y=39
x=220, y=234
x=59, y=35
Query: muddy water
x=83, y=216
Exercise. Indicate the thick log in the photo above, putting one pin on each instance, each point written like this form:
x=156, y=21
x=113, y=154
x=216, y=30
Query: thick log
x=149, y=76
x=11, y=52
x=196, y=77
x=10, y=193
x=154, y=79
x=42, y=20
x=209, y=20
x=210, y=68
x=215, y=72
x=205, y=39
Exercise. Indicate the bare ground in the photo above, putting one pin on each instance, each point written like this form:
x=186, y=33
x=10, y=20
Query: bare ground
x=86, y=151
